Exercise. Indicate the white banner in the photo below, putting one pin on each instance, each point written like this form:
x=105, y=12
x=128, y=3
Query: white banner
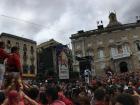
x=63, y=72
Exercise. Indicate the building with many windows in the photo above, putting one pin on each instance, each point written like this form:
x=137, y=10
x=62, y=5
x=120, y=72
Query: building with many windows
x=116, y=46
x=27, y=50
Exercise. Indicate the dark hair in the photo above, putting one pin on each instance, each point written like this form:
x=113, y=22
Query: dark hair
x=33, y=93
x=13, y=49
x=59, y=89
x=42, y=98
x=53, y=92
x=2, y=97
x=125, y=99
x=99, y=94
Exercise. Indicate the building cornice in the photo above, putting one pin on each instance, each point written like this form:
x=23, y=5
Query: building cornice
x=49, y=43
x=104, y=30
x=17, y=37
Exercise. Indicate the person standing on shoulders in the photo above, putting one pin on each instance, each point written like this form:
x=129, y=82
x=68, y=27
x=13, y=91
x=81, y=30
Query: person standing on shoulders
x=14, y=65
x=3, y=56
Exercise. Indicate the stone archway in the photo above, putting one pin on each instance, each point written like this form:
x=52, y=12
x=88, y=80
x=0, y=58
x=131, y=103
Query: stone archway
x=123, y=67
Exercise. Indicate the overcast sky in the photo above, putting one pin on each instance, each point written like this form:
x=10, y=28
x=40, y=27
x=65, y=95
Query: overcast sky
x=42, y=20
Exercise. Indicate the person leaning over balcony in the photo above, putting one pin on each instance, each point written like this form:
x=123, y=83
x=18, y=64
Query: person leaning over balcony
x=3, y=56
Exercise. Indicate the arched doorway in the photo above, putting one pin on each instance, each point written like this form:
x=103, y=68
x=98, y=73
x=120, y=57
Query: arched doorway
x=123, y=67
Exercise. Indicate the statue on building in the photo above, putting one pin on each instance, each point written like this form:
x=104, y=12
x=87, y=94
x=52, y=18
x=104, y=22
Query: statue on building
x=113, y=20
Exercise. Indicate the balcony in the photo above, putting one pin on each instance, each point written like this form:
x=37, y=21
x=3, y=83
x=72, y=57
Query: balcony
x=121, y=55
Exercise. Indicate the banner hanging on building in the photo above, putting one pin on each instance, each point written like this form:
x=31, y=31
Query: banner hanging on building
x=62, y=61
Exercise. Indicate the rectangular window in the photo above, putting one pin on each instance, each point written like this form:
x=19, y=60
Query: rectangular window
x=101, y=53
x=126, y=48
x=113, y=52
x=120, y=50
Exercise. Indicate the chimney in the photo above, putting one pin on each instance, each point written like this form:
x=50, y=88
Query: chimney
x=100, y=24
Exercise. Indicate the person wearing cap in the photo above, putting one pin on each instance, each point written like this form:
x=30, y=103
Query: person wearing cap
x=3, y=56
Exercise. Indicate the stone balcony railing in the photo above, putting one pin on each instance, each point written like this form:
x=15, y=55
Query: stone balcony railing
x=122, y=55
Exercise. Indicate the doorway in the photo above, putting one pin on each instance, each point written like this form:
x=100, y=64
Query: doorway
x=123, y=67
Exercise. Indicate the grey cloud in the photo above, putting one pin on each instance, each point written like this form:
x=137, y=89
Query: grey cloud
x=131, y=11
x=59, y=19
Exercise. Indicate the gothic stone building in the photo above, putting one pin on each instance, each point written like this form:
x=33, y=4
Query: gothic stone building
x=116, y=46
x=27, y=50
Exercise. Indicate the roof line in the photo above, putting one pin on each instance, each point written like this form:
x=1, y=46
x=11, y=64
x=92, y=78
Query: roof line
x=17, y=37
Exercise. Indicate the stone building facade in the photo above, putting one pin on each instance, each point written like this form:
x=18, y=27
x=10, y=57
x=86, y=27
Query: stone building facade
x=27, y=50
x=116, y=46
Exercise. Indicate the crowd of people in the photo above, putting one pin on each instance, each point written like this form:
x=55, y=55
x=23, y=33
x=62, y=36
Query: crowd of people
x=109, y=89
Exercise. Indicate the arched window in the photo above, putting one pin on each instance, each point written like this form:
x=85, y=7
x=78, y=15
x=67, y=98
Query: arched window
x=24, y=47
x=17, y=44
x=25, y=57
x=8, y=44
x=32, y=49
x=25, y=69
x=32, y=69
x=32, y=59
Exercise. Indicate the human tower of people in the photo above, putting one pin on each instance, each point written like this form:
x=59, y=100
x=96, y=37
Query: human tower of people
x=110, y=89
